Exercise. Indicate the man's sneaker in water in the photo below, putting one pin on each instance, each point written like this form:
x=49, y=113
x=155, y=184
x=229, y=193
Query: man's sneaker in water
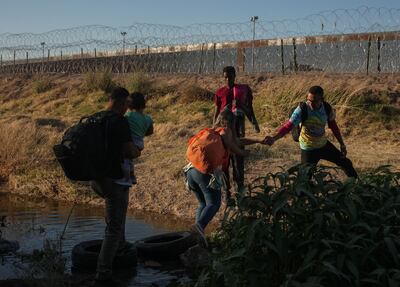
x=200, y=232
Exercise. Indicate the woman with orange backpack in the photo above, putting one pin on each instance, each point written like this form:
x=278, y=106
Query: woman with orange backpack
x=208, y=153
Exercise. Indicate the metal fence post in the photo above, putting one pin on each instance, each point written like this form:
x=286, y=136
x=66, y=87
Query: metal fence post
x=95, y=53
x=379, y=54
x=201, y=58
x=214, y=56
x=61, y=54
x=282, y=58
x=368, y=53
x=295, y=55
x=27, y=58
x=241, y=58
x=48, y=54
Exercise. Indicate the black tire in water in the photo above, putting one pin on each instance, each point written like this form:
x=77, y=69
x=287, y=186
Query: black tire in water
x=165, y=246
x=85, y=254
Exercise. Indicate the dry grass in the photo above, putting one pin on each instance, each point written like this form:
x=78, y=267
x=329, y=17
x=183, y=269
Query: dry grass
x=367, y=111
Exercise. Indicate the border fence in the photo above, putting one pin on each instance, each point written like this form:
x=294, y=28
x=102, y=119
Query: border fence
x=365, y=40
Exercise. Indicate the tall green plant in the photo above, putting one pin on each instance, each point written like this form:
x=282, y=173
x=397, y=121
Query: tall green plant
x=304, y=227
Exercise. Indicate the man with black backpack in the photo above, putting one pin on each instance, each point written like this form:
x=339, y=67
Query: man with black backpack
x=93, y=150
x=312, y=117
x=116, y=196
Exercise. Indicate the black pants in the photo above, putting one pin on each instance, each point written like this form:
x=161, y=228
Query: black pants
x=330, y=153
x=236, y=160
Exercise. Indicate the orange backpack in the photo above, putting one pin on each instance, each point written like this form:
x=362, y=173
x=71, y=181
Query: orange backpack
x=206, y=151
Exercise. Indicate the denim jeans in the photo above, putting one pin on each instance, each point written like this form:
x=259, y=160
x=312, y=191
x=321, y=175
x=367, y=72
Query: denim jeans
x=209, y=199
x=116, y=200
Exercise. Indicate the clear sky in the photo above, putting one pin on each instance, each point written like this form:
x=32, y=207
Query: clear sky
x=17, y=16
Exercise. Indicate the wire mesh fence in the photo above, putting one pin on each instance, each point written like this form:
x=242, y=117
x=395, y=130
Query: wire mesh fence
x=361, y=40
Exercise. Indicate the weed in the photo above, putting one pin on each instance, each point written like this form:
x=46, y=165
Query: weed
x=47, y=264
x=304, y=227
x=42, y=85
x=139, y=82
x=95, y=81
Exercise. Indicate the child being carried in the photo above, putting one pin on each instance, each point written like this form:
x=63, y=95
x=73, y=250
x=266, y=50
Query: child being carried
x=140, y=125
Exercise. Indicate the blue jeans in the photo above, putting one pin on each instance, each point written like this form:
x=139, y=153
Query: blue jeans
x=209, y=199
x=116, y=199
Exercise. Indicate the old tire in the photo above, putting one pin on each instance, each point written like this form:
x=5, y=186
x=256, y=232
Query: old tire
x=165, y=246
x=84, y=256
x=7, y=246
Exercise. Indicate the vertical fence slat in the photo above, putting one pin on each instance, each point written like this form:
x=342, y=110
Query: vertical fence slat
x=379, y=54
x=201, y=58
x=282, y=58
x=241, y=59
x=295, y=55
x=368, y=53
x=214, y=56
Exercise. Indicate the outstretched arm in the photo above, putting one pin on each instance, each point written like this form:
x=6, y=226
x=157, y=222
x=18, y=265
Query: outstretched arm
x=282, y=131
x=232, y=144
x=246, y=141
x=295, y=119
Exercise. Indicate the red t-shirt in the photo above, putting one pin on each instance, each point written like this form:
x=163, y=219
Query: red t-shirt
x=224, y=96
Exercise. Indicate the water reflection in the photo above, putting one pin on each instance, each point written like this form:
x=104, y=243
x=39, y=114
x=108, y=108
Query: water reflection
x=31, y=221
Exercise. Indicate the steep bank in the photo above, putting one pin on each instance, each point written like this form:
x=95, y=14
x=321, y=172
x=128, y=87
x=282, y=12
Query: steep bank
x=34, y=112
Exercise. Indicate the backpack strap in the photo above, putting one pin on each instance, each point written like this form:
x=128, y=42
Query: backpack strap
x=304, y=111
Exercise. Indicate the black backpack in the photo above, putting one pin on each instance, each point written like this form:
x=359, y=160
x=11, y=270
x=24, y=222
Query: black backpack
x=304, y=114
x=83, y=151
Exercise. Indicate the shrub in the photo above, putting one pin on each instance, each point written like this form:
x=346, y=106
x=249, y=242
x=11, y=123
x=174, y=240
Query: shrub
x=42, y=85
x=102, y=81
x=139, y=82
x=303, y=227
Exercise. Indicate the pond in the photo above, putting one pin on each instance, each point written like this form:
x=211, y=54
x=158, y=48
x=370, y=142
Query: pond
x=32, y=221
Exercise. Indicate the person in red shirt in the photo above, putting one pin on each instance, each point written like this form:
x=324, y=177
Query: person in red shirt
x=238, y=98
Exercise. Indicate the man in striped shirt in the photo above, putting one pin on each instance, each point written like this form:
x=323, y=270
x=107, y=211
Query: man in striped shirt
x=313, y=142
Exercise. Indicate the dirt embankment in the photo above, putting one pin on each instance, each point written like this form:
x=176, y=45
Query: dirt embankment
x=34, y=112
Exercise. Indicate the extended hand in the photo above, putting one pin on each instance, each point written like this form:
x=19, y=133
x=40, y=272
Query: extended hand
x=269, y=140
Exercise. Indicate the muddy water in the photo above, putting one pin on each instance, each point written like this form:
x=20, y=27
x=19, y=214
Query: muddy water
x=30, y=222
